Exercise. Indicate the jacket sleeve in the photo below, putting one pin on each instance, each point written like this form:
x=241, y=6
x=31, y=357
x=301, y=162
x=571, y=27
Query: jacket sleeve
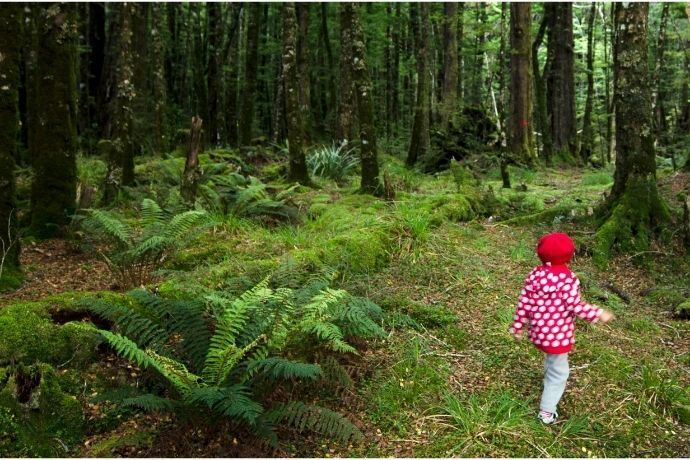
x=579, y=307
x=524, y=306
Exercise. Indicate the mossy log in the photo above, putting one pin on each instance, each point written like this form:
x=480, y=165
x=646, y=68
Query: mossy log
x=191, y=174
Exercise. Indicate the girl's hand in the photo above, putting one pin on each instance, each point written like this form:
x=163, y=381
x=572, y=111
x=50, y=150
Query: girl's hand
x=606, y=316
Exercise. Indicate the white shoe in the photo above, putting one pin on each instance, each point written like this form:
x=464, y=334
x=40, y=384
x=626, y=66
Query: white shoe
x=548, y=418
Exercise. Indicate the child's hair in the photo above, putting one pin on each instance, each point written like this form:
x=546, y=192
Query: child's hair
x=555, y=248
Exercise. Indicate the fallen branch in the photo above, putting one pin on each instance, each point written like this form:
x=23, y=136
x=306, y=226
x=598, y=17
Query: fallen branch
x=619, y=292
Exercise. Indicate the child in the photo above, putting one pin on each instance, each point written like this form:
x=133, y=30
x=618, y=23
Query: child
x=548, y=305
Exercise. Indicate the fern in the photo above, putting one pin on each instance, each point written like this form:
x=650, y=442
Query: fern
x=280, y=368
x=150, y=403
x=332, y=162
x=324, y=421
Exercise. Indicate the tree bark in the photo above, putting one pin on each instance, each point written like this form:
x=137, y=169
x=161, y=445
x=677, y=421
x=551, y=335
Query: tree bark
x=519, y=121
x=541, y=115
x=370, y=182
x=634, y=210
x=231, y=84
x=303, y=67
x=214, y=66
x=346, y=107
x=449, y=97
x=474, y=95
x=246, y=121
x=52, y=136
x=10, y=49
x=121, y=162
x=420, y=143
x=660, y=127
x=295, y=125
x=159, y=92
x=560, y=78
x=191, y=174
x=587, y=144
x=332, y=92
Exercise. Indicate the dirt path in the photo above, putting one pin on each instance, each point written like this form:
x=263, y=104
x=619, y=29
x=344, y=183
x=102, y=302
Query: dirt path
x=56, y=266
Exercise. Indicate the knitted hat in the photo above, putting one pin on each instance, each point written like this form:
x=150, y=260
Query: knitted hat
x=556, y=248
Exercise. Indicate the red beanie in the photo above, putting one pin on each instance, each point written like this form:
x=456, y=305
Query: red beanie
x=556, y=248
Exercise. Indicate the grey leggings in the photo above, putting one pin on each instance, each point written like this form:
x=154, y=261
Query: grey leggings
x=556, y=372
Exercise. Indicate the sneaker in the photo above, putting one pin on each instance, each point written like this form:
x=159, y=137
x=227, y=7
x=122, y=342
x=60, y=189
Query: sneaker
x=548, y=418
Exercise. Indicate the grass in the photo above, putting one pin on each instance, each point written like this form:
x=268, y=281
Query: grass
x=449, y=380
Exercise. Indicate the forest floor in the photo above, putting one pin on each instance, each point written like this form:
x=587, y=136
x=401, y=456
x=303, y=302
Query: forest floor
x=454, y=383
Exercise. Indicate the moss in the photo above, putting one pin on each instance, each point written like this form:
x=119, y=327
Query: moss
x=30, y=335
x=431, y=316
x=50, y=424
x=11, y=279
x=665, y=297
x=633, y=220
x=111, y=445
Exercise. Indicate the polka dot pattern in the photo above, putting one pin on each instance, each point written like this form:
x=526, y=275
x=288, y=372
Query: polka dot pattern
x=547, y=305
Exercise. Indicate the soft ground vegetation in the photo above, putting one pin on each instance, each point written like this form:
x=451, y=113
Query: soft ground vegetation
x=343, y=325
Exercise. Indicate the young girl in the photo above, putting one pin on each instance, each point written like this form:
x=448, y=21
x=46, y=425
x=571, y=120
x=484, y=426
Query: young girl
x=548, y=305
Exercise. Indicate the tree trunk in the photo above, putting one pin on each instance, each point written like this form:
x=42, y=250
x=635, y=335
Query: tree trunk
x=295, y=122
x=121, y=161
x=363, y=88
x=658, y=96
x=96, y=61
x=587, y=144
x=449, y=97
x=474, y=94
x=10, y=34
x=519, y=120
x=332, y=92
x=214, y=66
x=159, y=93
x=233, y=60
x=246, y=121
x=560, y=78
x=420, y=143
x=53, y=141
x=303, y=67
x=191, y=174
x=607, y=89
x=346, y=107
x=541, y=115
x=500, y=105
x=634, y=210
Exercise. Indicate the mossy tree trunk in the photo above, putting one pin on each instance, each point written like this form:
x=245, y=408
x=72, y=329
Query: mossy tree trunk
x=449, y=95
x=295, y=122
x=658, y=96
x=420, y=143
x=53, y=137
x=634, y=211
x=346, y=105
x=370, y=182
x=120, y=169
x=541, y=116
x=587, y=143
x=519, y=120
x=214, y=65
x=246, y=121
x=560, y=78
x=191, y=173
x=332, y=92
x=10, y=33
x=231, y=84
x=159, y=92
x=303, y=67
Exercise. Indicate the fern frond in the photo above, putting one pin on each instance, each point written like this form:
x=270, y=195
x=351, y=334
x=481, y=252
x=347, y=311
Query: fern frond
x=181, y=225
x=110, y=226
x=128, y=349
x=234, y=401
x=313, y=418
x=150, y=403
x=281, y=368
x=329, y=333
x=221, y=361
x=175, y=372
x=151, y=213
x=335, y=372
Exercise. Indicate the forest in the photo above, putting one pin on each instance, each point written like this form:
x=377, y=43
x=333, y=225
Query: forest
x=302, y=229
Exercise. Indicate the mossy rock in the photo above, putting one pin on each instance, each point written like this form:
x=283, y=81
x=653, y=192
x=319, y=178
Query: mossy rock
x=682, y=311
x=47, y=422
x=29, y=334
x=665, y=297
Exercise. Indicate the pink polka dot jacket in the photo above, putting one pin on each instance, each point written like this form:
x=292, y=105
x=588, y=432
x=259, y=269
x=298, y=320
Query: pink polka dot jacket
x=548, y=306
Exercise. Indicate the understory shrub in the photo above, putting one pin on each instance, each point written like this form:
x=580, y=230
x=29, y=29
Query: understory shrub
x=224, y=355
x=134, y=248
